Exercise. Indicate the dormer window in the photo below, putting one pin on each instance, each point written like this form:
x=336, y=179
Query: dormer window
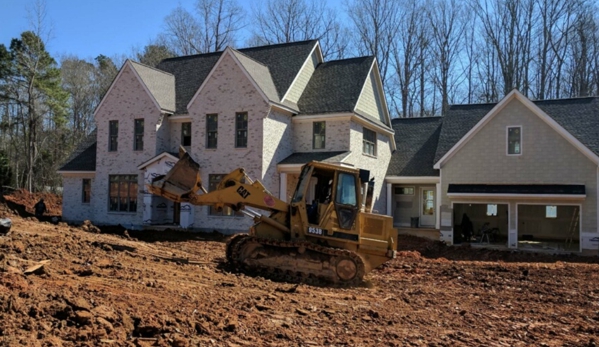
x=514, y=140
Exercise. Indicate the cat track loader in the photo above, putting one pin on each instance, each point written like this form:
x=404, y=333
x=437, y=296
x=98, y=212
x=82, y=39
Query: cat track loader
x=334, y=238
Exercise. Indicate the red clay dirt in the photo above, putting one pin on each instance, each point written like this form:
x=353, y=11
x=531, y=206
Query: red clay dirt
x=63, y=286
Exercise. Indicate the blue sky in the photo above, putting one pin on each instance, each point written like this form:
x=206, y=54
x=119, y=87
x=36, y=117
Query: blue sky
x=87, y=28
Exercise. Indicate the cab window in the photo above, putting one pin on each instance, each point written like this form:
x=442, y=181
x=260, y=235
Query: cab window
x=346, y=189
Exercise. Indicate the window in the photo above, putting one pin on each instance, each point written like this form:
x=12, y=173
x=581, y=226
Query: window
x=123, y=193
x=213, y=181
x=319, y=135
x=113, y=134
x=404, y=190
x=491, y=209
x=211, y=130
x=241, y=130
x=186, y=134
x=369, y=142
x=551, y=212
x=86, y=190
x=346, y=189
x=514, y=140
x=139, y=135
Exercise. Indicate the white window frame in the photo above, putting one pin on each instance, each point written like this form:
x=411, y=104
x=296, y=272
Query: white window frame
x=507, y=140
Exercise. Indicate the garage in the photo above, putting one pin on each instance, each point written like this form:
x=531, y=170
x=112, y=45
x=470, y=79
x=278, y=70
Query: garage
x=549, y=226
x=481, y=223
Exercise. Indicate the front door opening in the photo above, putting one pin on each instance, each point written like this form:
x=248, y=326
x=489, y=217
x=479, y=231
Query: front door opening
x=427, y=207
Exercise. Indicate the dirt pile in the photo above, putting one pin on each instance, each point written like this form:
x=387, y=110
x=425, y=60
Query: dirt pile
x=22, y=201
x=62, y=286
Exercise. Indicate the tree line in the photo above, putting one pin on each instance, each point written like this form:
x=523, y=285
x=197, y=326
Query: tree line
x=431, y=53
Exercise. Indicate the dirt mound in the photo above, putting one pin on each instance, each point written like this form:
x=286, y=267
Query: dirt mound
x=63, y=286
x=22, y=201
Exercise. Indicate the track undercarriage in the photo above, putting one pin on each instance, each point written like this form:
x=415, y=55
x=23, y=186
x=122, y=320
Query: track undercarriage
x=295, y=261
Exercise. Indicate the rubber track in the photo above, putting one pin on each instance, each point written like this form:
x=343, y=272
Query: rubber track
x=236, y=244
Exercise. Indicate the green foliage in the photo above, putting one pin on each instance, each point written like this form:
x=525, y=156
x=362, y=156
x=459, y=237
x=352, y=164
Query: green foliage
x=154, y=54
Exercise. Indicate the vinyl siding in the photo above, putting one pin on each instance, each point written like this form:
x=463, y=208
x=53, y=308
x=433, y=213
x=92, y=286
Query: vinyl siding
x=303, y=77
x=369, y=103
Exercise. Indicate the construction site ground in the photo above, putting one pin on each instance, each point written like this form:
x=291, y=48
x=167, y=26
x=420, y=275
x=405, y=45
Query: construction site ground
x=65, y=285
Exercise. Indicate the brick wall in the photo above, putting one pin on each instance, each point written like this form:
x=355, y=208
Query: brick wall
x=73, y=210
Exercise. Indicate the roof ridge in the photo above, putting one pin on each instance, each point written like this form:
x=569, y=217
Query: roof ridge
x=564, y=99
x=364, y=57
x=151, y=67
x=183, y=57
x=279, y=44
x=425, y=117
x=252, y=59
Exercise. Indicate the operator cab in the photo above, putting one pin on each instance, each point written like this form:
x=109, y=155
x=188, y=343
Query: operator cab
x=325, y=189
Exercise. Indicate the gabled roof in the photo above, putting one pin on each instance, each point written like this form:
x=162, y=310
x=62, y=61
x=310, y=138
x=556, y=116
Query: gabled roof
x=259, y=73
x=84, y=156
x=160, y=84
x=283, y=61
x=335, y=86
x=576, y=119
x=305, y=157
x=416, y=140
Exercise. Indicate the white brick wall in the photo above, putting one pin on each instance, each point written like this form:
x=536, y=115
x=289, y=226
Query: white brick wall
x=277, y=145
x=73, y=210
x=336, y=136
x=226, y=92
x=126, y=102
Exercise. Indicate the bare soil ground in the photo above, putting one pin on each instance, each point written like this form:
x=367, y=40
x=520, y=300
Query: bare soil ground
x=63, y=286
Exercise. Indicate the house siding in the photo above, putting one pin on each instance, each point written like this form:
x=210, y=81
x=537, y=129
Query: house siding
x=377, y=165
x=226, y=92
x=369, y=103
x=297, y=88
x=277, y=145
x=547, y=158
x=126, y=101
x=73, y=209
x=336, y=138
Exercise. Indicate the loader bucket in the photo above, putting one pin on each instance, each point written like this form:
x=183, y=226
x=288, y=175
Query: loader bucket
x=179, y=182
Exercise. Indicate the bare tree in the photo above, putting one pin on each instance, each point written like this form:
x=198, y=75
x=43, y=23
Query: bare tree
x=215, y=25
x=376, y=24
x=447, y=32
x=282, y=21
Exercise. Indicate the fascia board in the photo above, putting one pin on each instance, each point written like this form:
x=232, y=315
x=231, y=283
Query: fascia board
x=519, y=196
x=412, y=179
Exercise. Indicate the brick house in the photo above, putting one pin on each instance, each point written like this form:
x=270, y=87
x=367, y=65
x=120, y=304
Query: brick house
x=268, y=109
x=525, y=173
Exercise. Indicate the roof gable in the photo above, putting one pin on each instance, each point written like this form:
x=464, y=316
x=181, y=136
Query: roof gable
x=259, y=74
x=371, y=102
x=335, y=86
x=449, y=134
x=160, y=84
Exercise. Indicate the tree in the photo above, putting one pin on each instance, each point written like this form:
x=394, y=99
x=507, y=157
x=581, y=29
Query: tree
x=33, y=86
x=214, y=27
x=153, y=54
x=283, y=21
x=5, y=170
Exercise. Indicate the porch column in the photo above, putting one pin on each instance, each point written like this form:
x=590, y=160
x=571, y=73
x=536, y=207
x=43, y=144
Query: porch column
x=438, y=207
x=389, y=199
x=283, y=186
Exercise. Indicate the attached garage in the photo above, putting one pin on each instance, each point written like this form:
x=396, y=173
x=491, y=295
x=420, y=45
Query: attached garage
x=481, y=222
x=546, y=226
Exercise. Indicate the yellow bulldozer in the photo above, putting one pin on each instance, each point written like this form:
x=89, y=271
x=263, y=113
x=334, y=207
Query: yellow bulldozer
x=335, y=238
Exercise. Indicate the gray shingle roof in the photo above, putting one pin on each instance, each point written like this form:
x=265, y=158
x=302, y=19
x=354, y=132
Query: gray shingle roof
x=160, y=84
x=283, y=61
x=305, y=157
x=578, y=116
x=335, y=86
x=260, y=74
x=416, y=140
x=84, y=156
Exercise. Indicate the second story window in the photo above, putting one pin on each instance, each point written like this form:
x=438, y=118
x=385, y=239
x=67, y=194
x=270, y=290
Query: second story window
x=319, y=135
x=113, y=135
x=211, y=130
x=138, y=144
x=186, y=134
x=369, y=142
x=514, y=140
x=241, y=130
